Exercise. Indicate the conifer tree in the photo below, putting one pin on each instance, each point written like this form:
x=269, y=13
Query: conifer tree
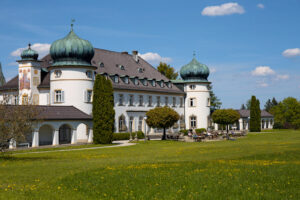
x=103, y=111
x=2, y=78
x=255, y=115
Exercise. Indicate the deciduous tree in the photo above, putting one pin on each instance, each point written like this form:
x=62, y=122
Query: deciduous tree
x=162, y=117
x=225, y=117
x=167, y=70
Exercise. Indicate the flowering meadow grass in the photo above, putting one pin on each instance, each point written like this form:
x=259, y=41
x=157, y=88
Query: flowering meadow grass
x=258, y=166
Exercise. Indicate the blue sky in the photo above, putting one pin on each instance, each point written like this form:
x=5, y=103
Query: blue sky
x=251, y=46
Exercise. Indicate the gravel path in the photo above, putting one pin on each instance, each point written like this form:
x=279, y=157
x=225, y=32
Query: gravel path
x=120, y=143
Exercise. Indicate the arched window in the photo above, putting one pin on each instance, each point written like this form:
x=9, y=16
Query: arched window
x=193, y=121
x=122, y=125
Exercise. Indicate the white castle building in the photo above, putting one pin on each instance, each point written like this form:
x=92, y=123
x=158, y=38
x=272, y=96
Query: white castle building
x=62, y=82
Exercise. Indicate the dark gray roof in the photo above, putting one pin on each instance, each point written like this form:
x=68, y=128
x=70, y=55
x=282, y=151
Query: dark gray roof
x=62, y=113
x=111, y=66
x=12, y=84
x=246, y=113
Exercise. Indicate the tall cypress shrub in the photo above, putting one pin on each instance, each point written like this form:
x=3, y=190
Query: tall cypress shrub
x=258, y=118
x=255, y=115
x=103, y=111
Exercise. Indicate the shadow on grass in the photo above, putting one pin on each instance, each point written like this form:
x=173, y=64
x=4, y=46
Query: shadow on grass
x=9, y=157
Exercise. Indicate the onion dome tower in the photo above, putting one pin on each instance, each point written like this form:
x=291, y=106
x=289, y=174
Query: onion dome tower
x=194, y=71
x=197, y=101
x=71, y=73
x=29, y=77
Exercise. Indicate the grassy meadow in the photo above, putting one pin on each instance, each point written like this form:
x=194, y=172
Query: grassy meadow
x=258, y=166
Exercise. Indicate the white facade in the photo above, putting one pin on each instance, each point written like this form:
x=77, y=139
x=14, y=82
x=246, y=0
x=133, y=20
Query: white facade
x=197, y=105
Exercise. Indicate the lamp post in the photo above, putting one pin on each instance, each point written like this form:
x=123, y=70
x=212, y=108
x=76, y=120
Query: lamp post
x=145, y=128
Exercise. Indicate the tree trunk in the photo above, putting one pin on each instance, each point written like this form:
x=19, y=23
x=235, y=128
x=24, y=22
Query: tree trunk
x=164, y=135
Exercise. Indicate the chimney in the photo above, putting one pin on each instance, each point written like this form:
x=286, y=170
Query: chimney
x=124, y=52
x=135, y=56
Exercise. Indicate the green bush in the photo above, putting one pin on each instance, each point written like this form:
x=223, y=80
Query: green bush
x=185, y=132
x=200, y=130
x=126, y=136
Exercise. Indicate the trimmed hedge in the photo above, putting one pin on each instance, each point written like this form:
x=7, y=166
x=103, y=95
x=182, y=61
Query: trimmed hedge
x=200, y=130
x=126, y=136
x=185, y=132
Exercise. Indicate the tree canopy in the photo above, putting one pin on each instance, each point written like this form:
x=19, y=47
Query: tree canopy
x=225, y=117
x=255, y=115
x=2, y=78
x=215, y=102
x=270, y=104
x=162, y=117
x=103, y=110
x=287, y=113
x=167, y=70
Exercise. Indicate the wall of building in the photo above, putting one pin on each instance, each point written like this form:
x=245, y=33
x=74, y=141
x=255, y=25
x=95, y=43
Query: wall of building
x=202, y=104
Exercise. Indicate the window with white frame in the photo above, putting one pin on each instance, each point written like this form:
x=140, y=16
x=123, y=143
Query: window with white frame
x=16, y=99
x=140, y=125
x=141, y=100
x=89, y=74
x=88, y=96
x=181, y=102
x=174, y=101
x=126, y=80
x=121, y=99
x=149, y=101
x=158, y=101
x=58, y=96
x=166, y=101
x=208, y=101
x=192, y=102
x=131, y=99
x=193, y=121
x=116, y=79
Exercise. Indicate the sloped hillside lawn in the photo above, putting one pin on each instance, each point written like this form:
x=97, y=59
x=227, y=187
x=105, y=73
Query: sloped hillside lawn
x=258, y=166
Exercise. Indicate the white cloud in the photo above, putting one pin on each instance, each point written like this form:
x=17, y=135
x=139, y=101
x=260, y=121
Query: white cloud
x=260, y=5
x=42, y=49
x=282, y=77
x=263, y=84
x=212, y=70
x=223, y=9
x=154, y=58
x=291, y=52
x=262, y=71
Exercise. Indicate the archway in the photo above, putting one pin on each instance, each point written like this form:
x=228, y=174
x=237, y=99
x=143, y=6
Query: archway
x=65, y=134
x=82, y=132
x=45, y=135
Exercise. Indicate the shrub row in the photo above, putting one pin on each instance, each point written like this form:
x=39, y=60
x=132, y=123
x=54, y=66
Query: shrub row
x=126, y=136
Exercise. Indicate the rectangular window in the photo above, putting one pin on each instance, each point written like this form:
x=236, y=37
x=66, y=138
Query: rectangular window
x=192, y=102
x=181, y=102
x=174, y=101
x=193, y=120
x=158, y=101
x=36, y=81
x=58, y=96
x=88, y=97
x=25, y=99
x=208, y=101
x=131, y=99
x=141, y=99
x=149, y=101
x=140, y=125
x=121, y=99
x=166, y=101
x=16, y=99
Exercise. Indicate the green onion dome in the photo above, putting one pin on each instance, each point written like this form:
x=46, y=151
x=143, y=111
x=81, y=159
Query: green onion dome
x=29, y=54
x=194, y=71
x=71, y=50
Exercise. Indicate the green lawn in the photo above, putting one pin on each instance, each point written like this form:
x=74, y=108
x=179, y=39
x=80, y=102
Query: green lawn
x=258, y=166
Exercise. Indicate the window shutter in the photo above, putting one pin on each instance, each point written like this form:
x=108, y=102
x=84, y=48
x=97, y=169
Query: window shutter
x=53, y=97
x=62, y=96
x=85, y=96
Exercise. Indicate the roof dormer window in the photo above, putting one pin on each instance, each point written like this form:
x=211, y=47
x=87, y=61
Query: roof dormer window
x=145, y=82
x=126, y=80
x=141, y=70
x=153, y=83
x=161, y=83
x=57, y=73
x=136, y=81
x=101, y=64
x=116, y=79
